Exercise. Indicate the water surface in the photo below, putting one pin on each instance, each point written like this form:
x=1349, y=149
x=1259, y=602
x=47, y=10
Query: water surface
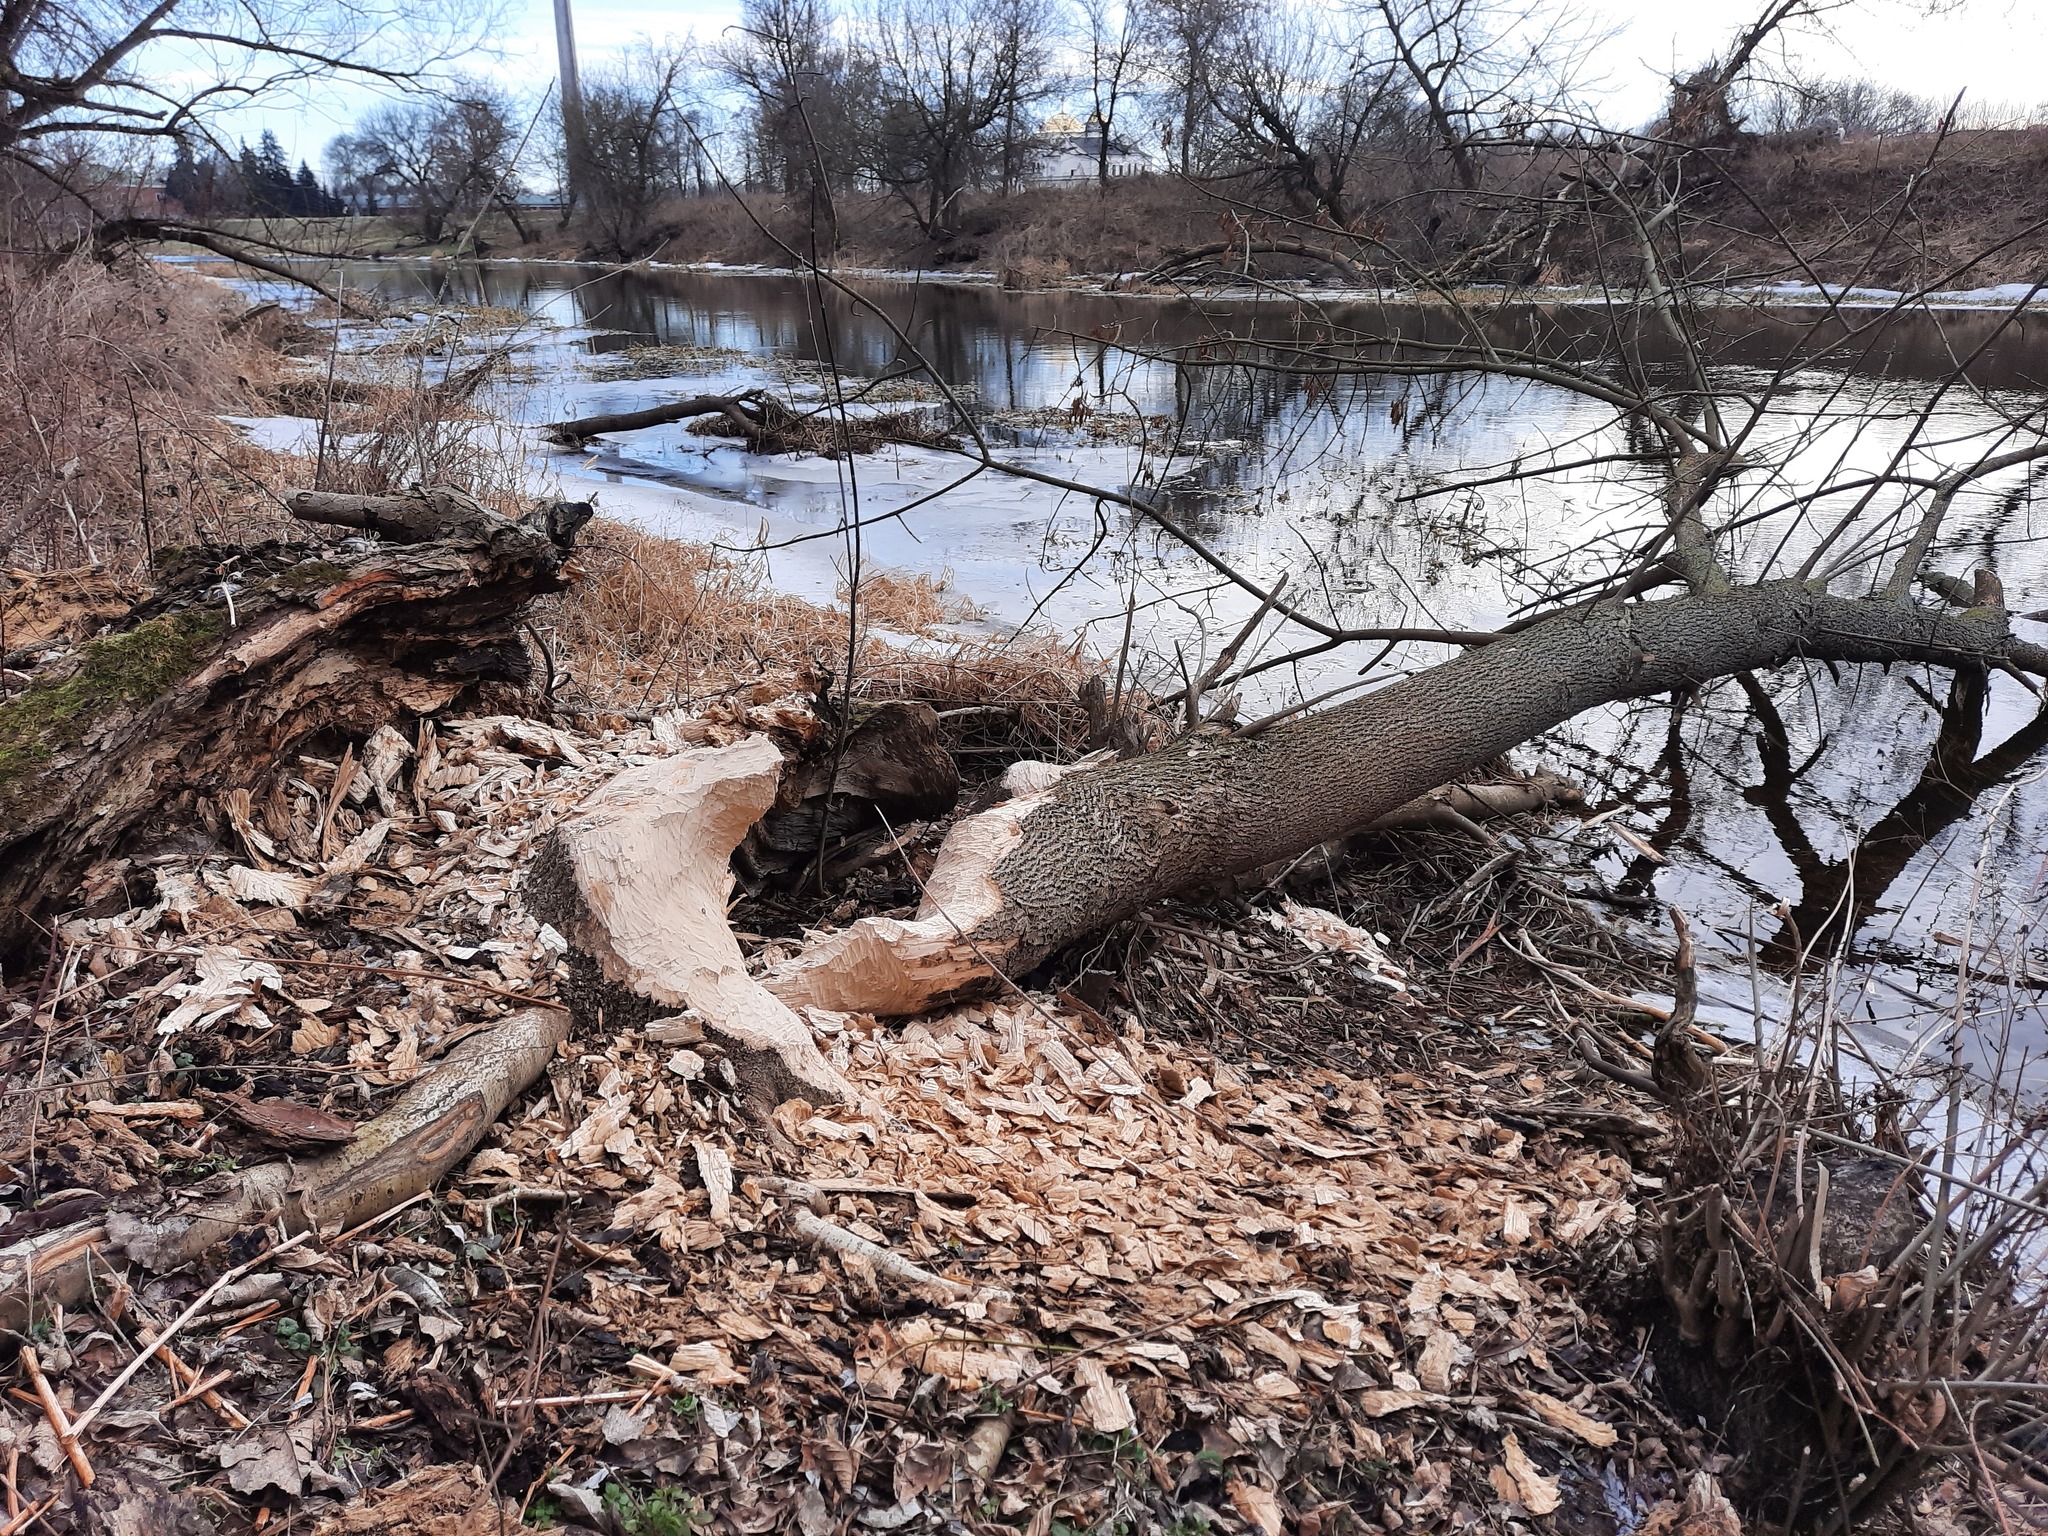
x=1893, y=803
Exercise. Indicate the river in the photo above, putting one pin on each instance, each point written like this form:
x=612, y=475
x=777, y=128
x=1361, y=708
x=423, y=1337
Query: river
x=1911, y=800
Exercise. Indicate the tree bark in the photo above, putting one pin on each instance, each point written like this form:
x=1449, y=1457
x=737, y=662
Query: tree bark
x=229, y=669
x=1018, y=882
x=750, y=414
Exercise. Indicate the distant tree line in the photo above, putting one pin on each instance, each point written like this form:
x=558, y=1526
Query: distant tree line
x=1331, y=112
x=256, y=183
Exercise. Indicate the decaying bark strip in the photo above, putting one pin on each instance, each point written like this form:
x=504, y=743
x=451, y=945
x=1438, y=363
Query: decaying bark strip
x=408, y=1148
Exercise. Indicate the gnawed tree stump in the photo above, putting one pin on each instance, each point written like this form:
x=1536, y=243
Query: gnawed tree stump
x=243, y=657
x=638, y=882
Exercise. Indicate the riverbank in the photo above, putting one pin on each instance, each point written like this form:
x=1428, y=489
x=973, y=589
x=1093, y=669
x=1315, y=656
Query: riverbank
x=1307, y=1202
x=1817, y=215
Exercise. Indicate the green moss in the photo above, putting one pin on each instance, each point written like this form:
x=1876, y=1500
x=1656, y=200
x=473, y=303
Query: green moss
x=307, y=576
x=114, y=671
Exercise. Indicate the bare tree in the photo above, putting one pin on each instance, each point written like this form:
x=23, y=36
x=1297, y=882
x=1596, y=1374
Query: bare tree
x=950, y=77
x=446, y=156
x=355, y=168
x=142, y=73
x=806, y=94
x=1115, y=33
x=1482, y=71
x=1299, y=103
x=633, y=135
x=1840, y=109
x=1185, y=38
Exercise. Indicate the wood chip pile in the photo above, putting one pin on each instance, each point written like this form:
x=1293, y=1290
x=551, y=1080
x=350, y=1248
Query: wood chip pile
x=1046, y=1275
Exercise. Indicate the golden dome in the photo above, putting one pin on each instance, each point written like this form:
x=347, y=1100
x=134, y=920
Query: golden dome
x=1060, y=122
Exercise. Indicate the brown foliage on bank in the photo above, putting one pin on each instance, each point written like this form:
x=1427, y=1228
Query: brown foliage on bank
x=1841, y=205
x=114, y=378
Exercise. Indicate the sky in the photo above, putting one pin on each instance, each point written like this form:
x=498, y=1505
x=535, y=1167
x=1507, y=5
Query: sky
x=1996, y=50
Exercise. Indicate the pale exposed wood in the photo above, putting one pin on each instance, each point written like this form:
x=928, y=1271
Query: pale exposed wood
x=813, y=1228
x=1015, y=884
x=59, y=1425
x=889, y=966
x=638, y=882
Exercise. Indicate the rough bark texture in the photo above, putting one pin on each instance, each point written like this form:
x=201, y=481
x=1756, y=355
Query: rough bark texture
x=432, y=1127
x=638, y=881
x=238, y=662
x=1016, y=883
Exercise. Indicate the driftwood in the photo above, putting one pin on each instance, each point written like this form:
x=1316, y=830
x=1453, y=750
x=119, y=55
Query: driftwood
x=638, y=882
x=432, y=1127
x=766, y=425
x=242, y=658
x=1246, y=249
x=752, y=415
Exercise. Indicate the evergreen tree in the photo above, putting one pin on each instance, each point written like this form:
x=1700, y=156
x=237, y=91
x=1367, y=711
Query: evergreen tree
x=267, y=179
x=184, y=185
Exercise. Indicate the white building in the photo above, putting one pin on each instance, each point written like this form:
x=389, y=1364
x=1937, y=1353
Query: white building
x=1068, y=153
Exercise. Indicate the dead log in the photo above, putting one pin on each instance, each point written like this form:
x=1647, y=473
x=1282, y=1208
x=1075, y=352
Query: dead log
x=436, y=512
x=408, y=1148
x=751, y=415
x=1016, y=883
x=638, y=881
x=244, y=656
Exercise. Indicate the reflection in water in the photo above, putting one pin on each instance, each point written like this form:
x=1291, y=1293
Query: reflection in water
x=1837, y=896
x=1793, y=808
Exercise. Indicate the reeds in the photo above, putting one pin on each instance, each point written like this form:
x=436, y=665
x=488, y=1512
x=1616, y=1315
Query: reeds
x=113, y=378
x=654, y=624
x=1859, y=1238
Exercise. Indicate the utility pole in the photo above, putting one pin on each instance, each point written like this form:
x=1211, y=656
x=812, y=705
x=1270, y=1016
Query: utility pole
x=572, y=102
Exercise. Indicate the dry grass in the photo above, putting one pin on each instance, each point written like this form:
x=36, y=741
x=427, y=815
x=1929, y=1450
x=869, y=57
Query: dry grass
x=113, y=379
x=653, y=623
x=398, y=429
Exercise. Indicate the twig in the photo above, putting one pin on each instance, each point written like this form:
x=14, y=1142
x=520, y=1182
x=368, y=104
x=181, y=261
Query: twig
x=452, y=980
x=67, y=1433
x=199, y=1391
x=29, y=1516
x=827, y=1234
x=198, y=1305
x=184, y=1375
x=579, y=1399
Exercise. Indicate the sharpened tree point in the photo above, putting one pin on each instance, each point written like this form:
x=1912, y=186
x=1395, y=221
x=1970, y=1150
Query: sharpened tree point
x=638, y=882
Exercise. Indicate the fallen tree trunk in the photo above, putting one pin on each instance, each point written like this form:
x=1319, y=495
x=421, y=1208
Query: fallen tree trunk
x=432, y=1127
x=233, y=666
x=752, y=415
x=1247, y=249
x=1016, y=883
